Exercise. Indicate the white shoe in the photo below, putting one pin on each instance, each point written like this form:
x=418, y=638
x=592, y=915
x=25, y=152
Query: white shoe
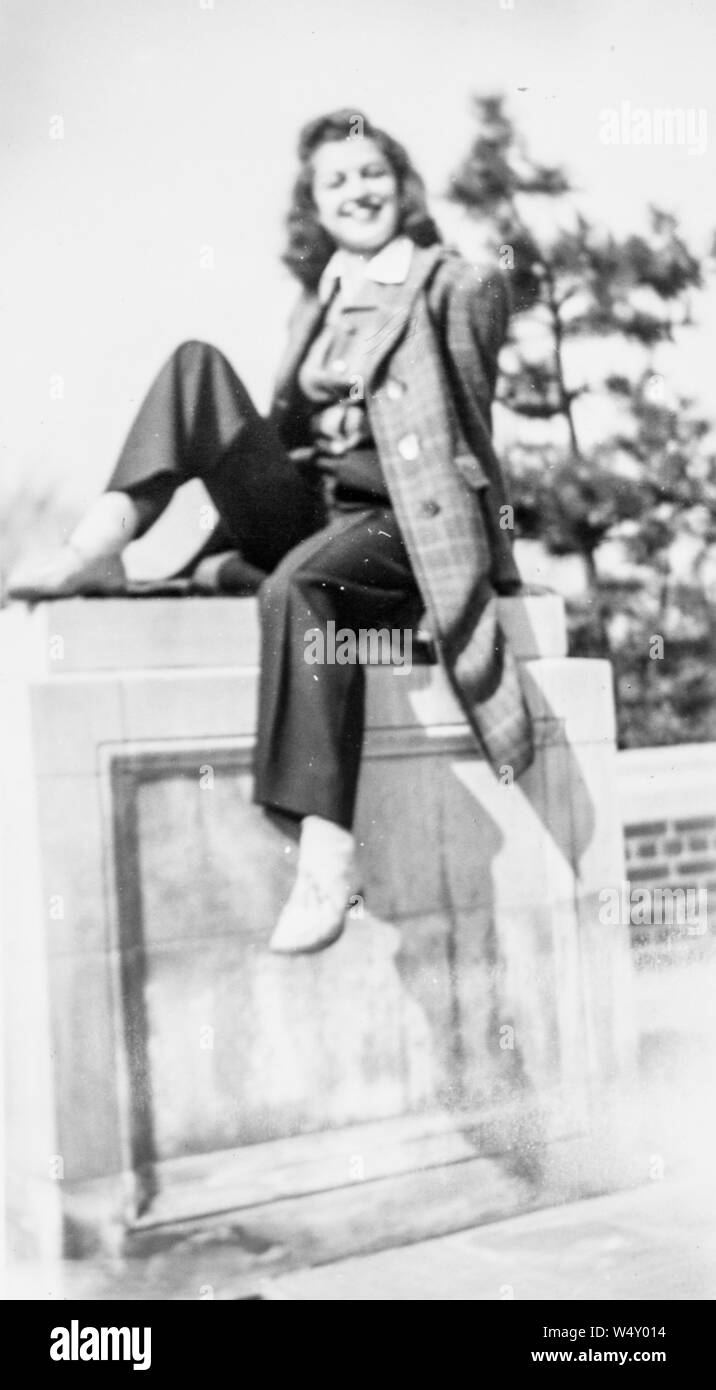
x=311, y=920
x=67, y=572
x=315, y=914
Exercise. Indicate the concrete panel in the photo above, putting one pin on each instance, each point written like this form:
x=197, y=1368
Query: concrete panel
x=244, y=1047
x=85, y=1026
x=477, y=981
x=73, y=879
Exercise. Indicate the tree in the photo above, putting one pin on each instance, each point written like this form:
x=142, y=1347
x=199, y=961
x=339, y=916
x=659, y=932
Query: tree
x=661, y=622
x=602, y=453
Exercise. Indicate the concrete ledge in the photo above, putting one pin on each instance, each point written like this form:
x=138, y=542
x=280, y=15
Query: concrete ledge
x=673, y=781
x=56, y=639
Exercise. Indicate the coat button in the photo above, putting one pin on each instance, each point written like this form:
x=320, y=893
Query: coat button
x=409, y=447
x=430, y=508
x=394, y=389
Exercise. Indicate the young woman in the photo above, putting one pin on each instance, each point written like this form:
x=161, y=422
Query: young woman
x=370, y=494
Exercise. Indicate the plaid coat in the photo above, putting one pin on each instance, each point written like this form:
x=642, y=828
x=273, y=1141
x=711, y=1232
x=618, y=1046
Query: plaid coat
x=428, y=389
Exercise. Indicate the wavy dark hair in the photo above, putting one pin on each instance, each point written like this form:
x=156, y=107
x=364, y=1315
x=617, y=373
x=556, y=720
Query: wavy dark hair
x=309, y=247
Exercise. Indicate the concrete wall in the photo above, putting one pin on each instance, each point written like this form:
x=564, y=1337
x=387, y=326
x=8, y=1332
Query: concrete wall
x=464, y=1036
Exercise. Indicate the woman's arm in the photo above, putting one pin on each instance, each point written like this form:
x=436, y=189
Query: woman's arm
x=471, y=311
x=471, y=315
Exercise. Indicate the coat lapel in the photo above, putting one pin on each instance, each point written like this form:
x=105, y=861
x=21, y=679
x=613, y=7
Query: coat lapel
x=393, y=315
x=391, y=320
x=303, y=327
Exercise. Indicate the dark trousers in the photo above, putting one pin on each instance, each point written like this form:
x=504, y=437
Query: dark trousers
x=347, y=564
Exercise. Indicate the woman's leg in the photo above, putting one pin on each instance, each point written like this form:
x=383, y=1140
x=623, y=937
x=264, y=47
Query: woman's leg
x=197, y=420
x=355, y=573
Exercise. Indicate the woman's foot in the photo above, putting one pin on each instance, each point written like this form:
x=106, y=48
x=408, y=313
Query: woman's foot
x=315, y=914
x=89, y=563
x=65, y=573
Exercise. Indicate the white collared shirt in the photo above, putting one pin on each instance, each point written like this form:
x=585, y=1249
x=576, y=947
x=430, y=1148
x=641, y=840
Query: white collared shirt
x=335, y=362
x=389, y=266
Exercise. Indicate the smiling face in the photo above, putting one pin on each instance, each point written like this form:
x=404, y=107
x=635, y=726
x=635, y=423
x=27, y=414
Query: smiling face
x=356, y=194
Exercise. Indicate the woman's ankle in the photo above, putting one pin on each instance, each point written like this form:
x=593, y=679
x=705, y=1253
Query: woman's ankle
x=107, y=527
x=326, y=847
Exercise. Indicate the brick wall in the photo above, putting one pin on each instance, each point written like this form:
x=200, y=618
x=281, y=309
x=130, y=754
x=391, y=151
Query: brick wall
x=678, y=852
x=668, y=806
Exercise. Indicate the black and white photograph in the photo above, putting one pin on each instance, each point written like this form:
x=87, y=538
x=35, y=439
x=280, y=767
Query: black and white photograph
x=358, y=663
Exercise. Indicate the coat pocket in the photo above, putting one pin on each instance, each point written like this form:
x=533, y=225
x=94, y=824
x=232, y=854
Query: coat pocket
x=471, y=470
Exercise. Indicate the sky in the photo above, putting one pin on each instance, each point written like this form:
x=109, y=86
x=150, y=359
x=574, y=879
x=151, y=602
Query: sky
x=158, y=215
